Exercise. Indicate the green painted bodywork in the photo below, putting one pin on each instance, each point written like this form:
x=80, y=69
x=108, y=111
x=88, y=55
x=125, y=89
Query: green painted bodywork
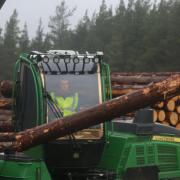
x=19, y=170
x=125, y=151
x=122, y=151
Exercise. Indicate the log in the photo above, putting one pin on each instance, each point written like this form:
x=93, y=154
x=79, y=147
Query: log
x=95, y=115
x=5, y=103
x=5, y=118
x=135, y=87
x=155, y=116
x=170, y=105
x=6, y=126
x=176, y=98
x=5, y=112
x=178, y=126
x=158, y=105
x=167, y=74
x=165, y=123
x=172, y=117
x=135, y=79
x=117, y=93
x=7, y=137
x=119, y=90
x=6, y=88
x=178, y=109
x=161, y=115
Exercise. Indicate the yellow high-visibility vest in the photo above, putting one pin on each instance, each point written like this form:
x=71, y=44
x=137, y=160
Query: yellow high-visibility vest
x=67, y=105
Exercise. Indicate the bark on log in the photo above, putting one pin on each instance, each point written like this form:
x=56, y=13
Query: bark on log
x=167, y=74
x=6, y=126
x=5, y=112
x=5, y=103
x=165, y=123
x=6, y=88
x=155, y=116
x=122, y=92
x=178, y=109
x=5, y=118
x=176, y=98
x=158, y=105
x=96, y=115
x=178, y=126
x=136, y=79
x=7, y=137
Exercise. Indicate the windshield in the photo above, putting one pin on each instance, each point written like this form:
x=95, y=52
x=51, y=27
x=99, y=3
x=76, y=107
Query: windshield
x=82, y=89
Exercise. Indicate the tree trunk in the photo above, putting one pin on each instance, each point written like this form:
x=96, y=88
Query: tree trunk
x=96, y=115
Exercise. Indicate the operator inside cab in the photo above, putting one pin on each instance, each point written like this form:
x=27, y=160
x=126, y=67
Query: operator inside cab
x=68, y=101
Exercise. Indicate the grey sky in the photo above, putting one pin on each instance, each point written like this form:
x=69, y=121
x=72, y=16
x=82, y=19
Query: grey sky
x=31, y=10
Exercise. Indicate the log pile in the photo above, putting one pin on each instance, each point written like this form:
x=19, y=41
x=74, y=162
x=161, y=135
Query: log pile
x=124, y=83
x=166, y=112
x=6, y=107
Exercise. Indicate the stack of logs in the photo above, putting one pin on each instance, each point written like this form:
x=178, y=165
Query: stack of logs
x=6, y=106
x=168, y=112
x=165, y=112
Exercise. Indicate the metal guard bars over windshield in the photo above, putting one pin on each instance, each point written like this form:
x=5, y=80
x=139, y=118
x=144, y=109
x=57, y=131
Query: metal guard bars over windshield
x=68, y=62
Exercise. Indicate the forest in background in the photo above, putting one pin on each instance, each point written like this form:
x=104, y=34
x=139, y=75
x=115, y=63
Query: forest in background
x=138, y=36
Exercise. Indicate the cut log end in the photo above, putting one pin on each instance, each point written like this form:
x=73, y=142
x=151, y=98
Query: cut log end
x=161, y=115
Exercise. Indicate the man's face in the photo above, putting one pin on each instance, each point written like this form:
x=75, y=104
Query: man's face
x=64, y=85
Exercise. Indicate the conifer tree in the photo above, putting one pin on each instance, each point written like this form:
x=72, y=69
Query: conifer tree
x=59, y=26
x=38, y=42
x=24, y=40
x=10, y=49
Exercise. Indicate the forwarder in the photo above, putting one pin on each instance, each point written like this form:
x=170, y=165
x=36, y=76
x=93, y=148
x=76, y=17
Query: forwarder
x=114, y=150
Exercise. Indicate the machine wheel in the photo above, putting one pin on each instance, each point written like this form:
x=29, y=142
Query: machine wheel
x=145, y=173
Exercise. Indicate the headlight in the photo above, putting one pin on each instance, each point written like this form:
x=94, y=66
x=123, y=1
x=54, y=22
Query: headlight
x=96, y=60
x=45, y=59
x=56, y=59
x=76, y=60
x=67, y=60
x=86, y=60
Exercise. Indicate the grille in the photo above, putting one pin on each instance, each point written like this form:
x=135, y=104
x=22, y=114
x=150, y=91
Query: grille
x=140, y=155
x=167, y=158
x=150, y=153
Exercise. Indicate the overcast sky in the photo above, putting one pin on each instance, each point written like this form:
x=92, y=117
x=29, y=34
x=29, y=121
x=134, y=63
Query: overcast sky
x=30, y=11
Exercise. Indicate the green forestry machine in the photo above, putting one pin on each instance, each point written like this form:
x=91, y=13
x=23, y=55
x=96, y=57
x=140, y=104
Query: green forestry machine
x=63, y=128
x=66, y=127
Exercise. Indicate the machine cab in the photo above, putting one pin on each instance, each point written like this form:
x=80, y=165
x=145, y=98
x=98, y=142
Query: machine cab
x=73, y=84
x=56, y=84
